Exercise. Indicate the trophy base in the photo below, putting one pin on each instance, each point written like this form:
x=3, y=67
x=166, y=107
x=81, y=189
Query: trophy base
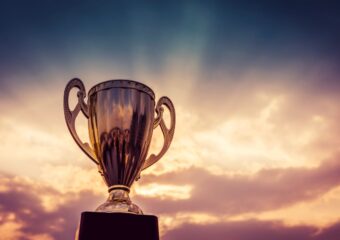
x=111, y=226
x=119, y=201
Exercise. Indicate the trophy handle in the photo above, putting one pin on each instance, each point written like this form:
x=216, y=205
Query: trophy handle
x=70, y=116
x=168, y=133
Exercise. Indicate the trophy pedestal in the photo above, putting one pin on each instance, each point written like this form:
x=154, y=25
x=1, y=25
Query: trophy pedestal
x=112, y=226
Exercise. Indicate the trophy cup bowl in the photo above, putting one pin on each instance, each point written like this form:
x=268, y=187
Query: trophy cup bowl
x=121, y=118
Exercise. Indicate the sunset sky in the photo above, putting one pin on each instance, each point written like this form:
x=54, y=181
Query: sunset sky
x=256, y=87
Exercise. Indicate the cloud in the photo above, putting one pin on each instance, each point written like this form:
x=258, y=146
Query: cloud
x=24, y=215
x=32, y=210
x=268, y=189
x=253, y=230
x=29, y=209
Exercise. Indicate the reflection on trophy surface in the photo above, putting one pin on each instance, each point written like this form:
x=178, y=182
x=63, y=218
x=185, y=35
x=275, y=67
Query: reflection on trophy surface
x=121, y=119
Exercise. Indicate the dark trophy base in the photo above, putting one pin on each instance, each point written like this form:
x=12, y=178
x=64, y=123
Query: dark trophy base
x=112, y=226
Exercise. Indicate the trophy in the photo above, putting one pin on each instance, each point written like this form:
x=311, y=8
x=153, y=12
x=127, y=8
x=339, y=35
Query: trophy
x=121, y=118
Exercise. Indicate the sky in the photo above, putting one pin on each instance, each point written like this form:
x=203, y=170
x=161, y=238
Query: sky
x=255, y=84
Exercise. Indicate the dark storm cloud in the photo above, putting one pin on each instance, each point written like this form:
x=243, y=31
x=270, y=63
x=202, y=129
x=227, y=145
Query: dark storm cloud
x=267, y=190
x=60, y=223
x=253, y=230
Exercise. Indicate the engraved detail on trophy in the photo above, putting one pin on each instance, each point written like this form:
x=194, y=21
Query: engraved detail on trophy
x=121, y=120
x=116, y=152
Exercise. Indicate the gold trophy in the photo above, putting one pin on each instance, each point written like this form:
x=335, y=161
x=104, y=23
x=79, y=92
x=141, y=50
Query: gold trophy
x=121, y=119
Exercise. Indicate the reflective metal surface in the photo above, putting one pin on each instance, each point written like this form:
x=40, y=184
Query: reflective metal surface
x=121, y=121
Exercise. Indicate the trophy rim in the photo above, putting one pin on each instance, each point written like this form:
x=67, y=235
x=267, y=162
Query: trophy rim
x=122, y=83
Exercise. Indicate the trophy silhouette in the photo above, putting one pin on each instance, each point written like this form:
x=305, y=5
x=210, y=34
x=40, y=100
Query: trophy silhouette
x=121, y=119
x=122, y=115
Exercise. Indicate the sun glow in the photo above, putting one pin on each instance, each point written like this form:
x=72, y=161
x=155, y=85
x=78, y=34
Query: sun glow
x=173, y=192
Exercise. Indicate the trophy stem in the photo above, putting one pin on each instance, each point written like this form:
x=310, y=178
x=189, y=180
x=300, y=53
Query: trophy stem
x=119, y=201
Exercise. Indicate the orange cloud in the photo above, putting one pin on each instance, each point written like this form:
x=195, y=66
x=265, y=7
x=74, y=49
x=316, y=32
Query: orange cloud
x=253, y=230
x=24, y=215
x=231, y=195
